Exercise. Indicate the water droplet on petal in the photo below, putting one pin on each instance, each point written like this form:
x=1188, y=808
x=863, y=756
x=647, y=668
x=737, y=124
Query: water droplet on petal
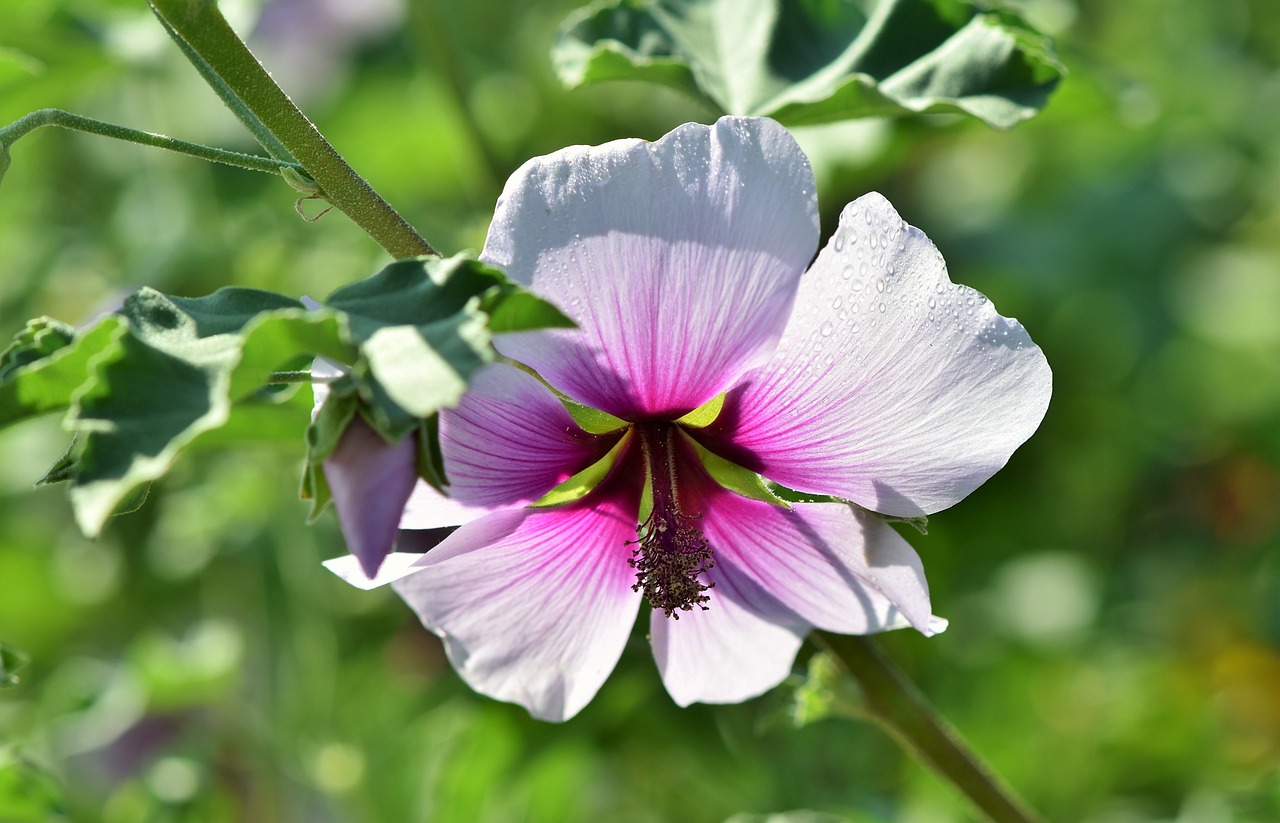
x=838, y=302
x=846, y=272
x=826, y=329
x=880, y=284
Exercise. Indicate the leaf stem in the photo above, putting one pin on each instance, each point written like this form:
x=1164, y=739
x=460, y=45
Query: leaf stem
x=279, y=378
x=895, y=702
x=65, y=119
x=201, y=25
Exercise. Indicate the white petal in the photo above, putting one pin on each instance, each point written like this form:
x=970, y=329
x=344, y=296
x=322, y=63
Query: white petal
x=740, y=647
x=429, y=509
x=395, y=566
x=831, y=565
x=678, y=260
x=892, y=386
x=534, y=605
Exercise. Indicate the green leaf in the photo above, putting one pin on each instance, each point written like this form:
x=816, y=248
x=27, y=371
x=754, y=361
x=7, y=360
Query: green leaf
x=426, y=368
x=53, y=365
x=512, y=309
x=179, y=371
x=816, y=61
x=421, y=335
x=422, y=328
x=42, y=337
x=11, y=660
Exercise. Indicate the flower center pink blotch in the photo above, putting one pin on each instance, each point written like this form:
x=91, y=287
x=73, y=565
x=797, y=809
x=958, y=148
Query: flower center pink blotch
x=866, y=380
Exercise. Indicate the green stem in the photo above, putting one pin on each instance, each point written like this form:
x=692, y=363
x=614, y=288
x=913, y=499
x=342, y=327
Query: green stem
x=279, y=378
x=898, y=705
x=255, y=126
x=56, y=117
x=205, y=30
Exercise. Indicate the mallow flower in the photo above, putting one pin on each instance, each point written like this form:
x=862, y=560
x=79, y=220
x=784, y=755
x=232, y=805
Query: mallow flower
x=635, y=459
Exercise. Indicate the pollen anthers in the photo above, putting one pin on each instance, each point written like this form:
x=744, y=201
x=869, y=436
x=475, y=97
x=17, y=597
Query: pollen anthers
x=672, y=552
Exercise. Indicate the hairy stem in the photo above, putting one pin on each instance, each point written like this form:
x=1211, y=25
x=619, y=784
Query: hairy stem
x=56, y=117
x=228, y=97
x=895, y=702
x=206, y=32
x=280, y=378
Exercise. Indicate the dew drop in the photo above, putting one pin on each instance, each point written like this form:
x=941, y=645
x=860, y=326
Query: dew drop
x=838, y=302
x=880, y=284
x=883, y=308
x=826, y=329
x=839, y=244
x=933, y=304
x=846, y=272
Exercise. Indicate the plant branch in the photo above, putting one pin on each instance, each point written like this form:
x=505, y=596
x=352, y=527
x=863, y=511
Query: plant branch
x=255, y=126
x=206, y=32
x=895, y=702
x=56, y=117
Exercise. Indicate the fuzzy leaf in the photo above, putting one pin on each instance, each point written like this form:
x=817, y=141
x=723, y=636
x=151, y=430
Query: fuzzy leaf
x=181, y=368
x=816, y=61
x=38, y=377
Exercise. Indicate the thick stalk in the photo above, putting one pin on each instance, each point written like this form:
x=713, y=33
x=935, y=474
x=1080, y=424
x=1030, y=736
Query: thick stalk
x=205, y=30
x=56, y=117
x=895, y=702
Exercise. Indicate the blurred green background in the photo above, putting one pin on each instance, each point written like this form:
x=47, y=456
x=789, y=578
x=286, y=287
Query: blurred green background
x=1114, y=594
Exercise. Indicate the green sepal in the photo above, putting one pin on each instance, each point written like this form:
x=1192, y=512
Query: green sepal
x=810, y=61
x=584, y=482
x=322, y=438
x=705, y=414
x=11, y=661
x=920, y=523
x=735, y=478
x=430, y=458
x=592, y=421
x=64, y=468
